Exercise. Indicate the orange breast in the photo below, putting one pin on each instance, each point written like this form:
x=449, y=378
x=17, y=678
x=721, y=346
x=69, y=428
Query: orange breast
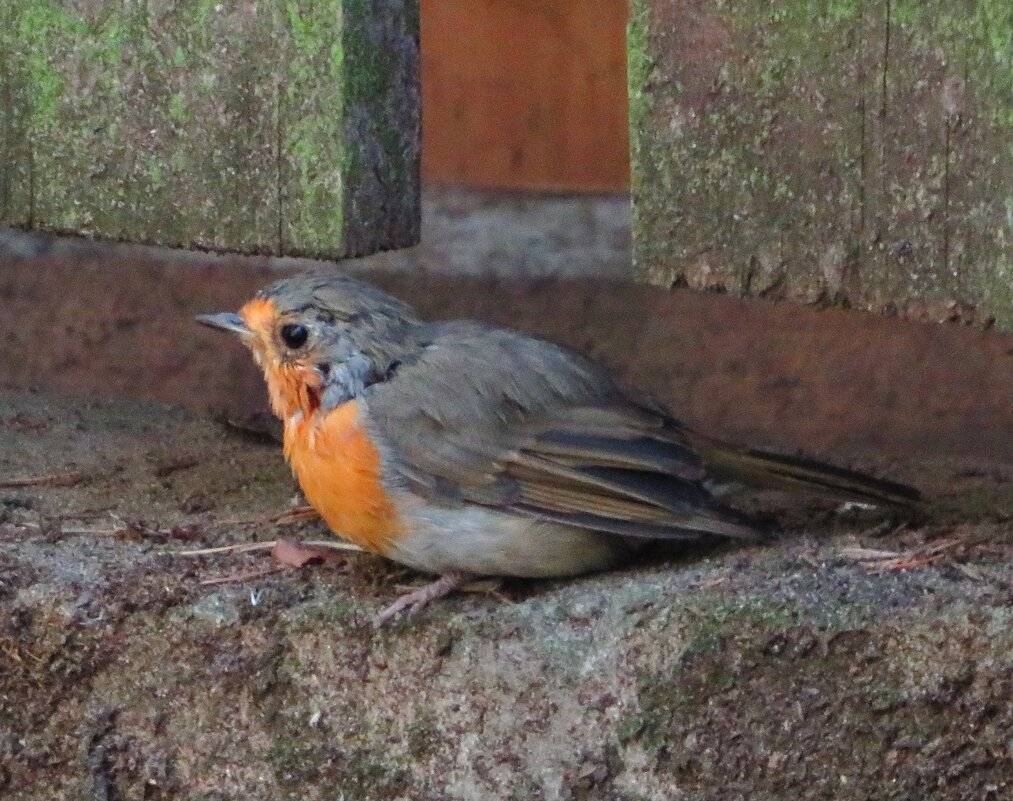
x=338, y=468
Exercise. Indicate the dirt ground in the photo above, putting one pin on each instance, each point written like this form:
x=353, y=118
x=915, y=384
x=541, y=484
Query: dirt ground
x=855, y=658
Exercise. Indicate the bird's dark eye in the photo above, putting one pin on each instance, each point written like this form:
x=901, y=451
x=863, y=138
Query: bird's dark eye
x=294, y=335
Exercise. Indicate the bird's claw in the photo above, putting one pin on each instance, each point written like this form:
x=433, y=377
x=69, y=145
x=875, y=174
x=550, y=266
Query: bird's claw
x=416, y=600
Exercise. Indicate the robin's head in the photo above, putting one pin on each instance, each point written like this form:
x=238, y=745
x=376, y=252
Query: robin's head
x=320, y=338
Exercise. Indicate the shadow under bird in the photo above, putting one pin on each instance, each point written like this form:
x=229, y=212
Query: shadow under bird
x=462, y=449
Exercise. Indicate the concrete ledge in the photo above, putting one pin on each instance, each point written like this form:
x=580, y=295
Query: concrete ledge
x=790, y=670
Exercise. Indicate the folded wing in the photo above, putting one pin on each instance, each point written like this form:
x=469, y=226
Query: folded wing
x=492, y=417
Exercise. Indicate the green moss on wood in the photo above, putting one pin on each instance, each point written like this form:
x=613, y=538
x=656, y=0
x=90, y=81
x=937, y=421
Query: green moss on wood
x=206, y=125
x=810, y=150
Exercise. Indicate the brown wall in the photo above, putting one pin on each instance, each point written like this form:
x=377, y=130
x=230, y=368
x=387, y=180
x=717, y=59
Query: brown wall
x=525, y=93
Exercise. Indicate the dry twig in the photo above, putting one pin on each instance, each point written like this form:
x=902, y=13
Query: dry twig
x=248, y=575
x=51, y=480
x=268, y=545
x=290, y=517
x=949, y=549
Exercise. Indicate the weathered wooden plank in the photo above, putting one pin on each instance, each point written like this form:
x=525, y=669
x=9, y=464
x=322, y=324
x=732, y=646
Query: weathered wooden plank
x=526, y=95
x=847, y=151
x=279, y=126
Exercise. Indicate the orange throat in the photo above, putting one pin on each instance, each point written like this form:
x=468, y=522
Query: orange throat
x=292, y=388
x=338, y=468
x=331, y=454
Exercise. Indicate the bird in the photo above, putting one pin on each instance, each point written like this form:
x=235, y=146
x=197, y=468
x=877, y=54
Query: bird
x=463, y=450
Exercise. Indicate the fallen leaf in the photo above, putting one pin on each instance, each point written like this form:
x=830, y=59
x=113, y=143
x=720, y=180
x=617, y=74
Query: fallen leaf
x=300, y=554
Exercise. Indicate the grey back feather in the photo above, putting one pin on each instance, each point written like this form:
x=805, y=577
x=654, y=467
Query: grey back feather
x=476, y=414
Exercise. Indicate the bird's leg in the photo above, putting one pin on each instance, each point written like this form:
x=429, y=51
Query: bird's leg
x=417, y=599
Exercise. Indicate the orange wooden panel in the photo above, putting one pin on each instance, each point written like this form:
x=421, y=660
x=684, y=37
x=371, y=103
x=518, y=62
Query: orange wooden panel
x=525, y=93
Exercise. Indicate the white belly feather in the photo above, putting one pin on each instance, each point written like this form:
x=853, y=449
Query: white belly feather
x=484, y=541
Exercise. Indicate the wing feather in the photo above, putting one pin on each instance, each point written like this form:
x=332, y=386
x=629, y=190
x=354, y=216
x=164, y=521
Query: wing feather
x=492, y=417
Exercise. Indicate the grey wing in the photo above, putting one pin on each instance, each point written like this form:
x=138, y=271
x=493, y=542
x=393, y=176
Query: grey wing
x=492, y=417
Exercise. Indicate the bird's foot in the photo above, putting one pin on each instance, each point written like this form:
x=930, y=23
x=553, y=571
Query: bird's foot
x=417, y=599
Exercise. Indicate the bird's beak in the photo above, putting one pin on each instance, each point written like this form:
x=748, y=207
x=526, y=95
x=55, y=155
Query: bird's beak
x=226, y=321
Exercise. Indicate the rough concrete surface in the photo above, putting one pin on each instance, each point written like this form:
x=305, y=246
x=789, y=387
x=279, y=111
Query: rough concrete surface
x=788, y=671
x=852, y=657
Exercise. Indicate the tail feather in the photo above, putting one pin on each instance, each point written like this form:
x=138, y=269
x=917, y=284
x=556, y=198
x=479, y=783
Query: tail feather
x=801, y=474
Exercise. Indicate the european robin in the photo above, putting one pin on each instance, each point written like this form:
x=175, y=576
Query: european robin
x=462, y=449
